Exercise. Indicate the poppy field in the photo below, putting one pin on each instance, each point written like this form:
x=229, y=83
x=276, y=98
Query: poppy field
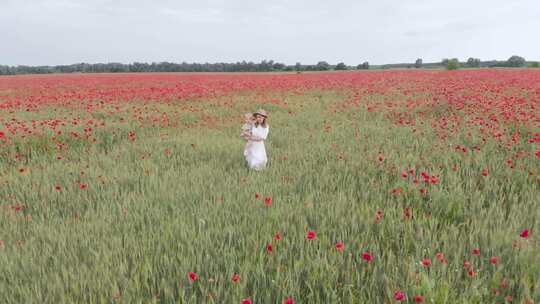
x=381, y=187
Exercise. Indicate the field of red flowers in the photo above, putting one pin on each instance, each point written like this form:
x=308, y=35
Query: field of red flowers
x=382, y=187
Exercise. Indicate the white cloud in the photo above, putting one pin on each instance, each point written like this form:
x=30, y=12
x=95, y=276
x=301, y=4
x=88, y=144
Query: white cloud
x=67, y=31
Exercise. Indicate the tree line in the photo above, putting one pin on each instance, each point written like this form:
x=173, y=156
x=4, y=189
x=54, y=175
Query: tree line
x=263, y=66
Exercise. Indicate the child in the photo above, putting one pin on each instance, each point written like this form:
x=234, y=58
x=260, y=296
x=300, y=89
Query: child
x=246, y=128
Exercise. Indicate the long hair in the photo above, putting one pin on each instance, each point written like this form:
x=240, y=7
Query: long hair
x=263, y=123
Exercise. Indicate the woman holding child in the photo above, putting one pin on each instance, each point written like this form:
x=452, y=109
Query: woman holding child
x=255, y=131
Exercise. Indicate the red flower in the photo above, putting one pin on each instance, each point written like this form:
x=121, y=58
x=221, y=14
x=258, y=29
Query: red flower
x=476, y=251
x=485, y=172
x=311, y=235
x=192, y=276
x=277, y=237
x=289, y=300
x=247, y=301
x=235, y=278
x=58, y=187
x=538, y=154
x=268, y=201
x=269, y=248
x=466, y=265
x=397, y=191
x=494, y=260
x=257, y=195
x=524, y=234
x=404, y=174
x=367, y=257
x=399, y=296
x=378, y=216
x=83, y=186
x=407, y=213
x=426, y=262
x=340, y=246
x=439, y=256
x=418, y=299
x=472, y=273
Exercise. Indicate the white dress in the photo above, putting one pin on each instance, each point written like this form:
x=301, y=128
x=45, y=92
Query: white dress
x=255, y=152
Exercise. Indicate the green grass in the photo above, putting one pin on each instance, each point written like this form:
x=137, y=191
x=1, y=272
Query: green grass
x=158, y=208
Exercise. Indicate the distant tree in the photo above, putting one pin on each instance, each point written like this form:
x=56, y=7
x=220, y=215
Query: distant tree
x=322, y=66
x=341, y=66
x=473, y=62
x=444, y=62
x=278, y=66
x=418, y=63
x=298, y=66
x=363, y=66
x=535, y=64
x=515, y=61
x=451, y=64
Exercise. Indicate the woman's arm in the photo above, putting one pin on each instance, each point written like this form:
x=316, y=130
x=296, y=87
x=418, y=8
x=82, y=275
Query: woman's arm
x=255, y=138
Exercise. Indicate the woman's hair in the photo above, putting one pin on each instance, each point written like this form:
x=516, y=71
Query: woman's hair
x=257, y=123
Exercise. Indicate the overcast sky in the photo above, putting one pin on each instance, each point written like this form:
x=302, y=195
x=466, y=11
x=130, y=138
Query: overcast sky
x=50, y=32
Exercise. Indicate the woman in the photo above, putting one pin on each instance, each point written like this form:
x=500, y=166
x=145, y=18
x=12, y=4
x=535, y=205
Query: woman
x=255, y=152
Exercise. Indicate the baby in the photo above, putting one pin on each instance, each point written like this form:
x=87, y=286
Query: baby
x=246, y=128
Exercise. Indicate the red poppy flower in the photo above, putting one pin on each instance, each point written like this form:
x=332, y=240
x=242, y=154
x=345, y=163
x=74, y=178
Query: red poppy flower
x=247, y=301
x=58, y=187
x=235, y=278
x=485, y=172
x=407, y=213
x=439, y=256
x=476, y=251
x=83, y=186
x=426, y=262
x=397, y=191
x=367, y=257
x=399, y=296
x=340, y=246
x=418, y=299
x=268, y=201
x=524, y=234
x=494, y=260
x=269, y=248
x=404, y=174
x=192, y=276
x=466, y=265
x=277, y=237
x=289, y=301
x=257, y=195
x=311, y=235
x=472, y=273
